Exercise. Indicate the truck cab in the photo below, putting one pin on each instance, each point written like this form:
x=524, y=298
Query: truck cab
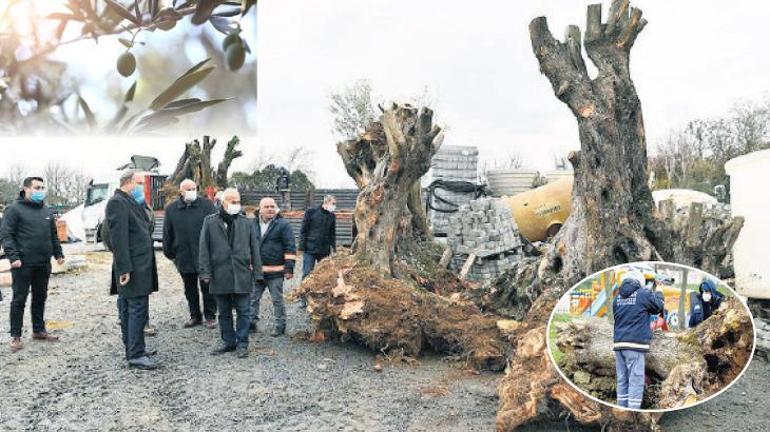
x=101, y=189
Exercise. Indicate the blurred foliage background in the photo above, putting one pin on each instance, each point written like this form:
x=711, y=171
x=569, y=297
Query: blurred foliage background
x=59, y=62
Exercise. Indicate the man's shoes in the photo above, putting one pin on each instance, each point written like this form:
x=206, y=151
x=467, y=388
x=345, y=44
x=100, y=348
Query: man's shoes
x=223, y=349
x=242, y=352
x=253, y=327
x=16, y=344
x=150, y=330
x=149, y=352
x=277, y=331
x=45, y=337
x=211, y=324
x=143, y=363
x=192, y=322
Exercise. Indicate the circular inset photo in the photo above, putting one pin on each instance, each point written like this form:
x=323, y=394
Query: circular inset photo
x=651, y=336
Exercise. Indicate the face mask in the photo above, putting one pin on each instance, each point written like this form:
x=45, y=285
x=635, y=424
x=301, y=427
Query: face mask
x=331, y=208
x=37, y=196
x=233, y=209
x=706, y=297
x=138, y=194
x=190, y=195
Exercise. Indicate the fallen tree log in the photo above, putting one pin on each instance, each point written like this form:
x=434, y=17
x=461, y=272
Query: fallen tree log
x=532, y=389
x=682, y=367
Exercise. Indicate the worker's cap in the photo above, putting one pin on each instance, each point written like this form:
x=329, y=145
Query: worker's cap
x=633, y=274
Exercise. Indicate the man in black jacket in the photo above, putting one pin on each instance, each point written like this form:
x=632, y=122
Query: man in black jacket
x=318, y=236
x=181, y=237
x=30, y=239
x=229, y=259
x=278, y=252
x=134, y=273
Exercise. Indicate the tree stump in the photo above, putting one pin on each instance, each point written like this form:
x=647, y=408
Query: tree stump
x=195, y=164
x=386, y=163
x=390, y=293
x=613, y=218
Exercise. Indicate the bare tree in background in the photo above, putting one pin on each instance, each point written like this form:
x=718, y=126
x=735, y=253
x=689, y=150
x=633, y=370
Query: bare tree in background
x=66, y=186
x=693, y=157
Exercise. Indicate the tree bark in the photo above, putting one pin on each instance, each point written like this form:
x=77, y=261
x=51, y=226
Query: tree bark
x=683, y=367
x=195, y=164
x=612, y=208
x=386, y=162
x=231, y=153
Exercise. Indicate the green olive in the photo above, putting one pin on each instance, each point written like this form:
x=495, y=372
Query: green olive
x=126, y=64
x=229, y=40
x=167, y=24
x=235, y=56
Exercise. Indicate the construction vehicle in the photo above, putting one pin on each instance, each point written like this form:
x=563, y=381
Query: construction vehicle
x=101, y=189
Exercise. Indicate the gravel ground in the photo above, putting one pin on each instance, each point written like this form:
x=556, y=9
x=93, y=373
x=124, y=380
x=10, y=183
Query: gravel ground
x=82, y=382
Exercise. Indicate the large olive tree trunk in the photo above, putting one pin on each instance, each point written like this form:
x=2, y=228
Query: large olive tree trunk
x=195, y=163
x=390, y=294
x=386, y=163
x=612, y=208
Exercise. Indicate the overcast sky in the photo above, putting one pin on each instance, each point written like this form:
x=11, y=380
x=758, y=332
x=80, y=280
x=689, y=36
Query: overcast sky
x=693, y=60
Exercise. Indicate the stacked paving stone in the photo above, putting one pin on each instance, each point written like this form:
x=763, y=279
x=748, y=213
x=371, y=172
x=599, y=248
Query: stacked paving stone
x=452, y=163
x=485, y=228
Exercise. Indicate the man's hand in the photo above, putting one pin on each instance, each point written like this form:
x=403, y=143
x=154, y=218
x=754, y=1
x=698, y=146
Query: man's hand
x=60, y=261
x=16, y=264
x=124, y=278
x=289, y=276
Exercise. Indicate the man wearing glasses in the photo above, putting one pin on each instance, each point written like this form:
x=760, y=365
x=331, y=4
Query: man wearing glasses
x=29, y=238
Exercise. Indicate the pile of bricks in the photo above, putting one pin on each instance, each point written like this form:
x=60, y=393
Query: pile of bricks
x=484, y=228
x=453, y=163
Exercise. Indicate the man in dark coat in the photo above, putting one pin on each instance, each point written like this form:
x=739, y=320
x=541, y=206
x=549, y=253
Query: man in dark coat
x=230, y=263
x=631, y=309
x=30, y=239
x=704, y=303
x=181, y=238
x=276, y=246
x=134, y=272
x=318, y=236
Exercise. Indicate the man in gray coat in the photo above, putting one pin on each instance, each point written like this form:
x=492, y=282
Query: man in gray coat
x=229, y=261
x=133, y=266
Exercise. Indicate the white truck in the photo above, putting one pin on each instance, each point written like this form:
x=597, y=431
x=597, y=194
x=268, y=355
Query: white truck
x=101, y=189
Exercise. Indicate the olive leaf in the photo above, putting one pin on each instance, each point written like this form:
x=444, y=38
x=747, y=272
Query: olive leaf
x=126, y=43
x=123, y=12
x=130, y=93
x=90, y=118
x=247, y=4
x=185, y=82
x=203, y=11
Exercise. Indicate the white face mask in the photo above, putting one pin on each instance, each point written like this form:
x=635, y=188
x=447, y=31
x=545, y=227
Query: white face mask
x=331, y=208
x=233, y=209
x=190, y=195
x=706, y=297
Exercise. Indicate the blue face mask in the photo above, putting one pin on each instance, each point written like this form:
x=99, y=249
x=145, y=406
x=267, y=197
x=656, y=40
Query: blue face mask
x=37, y=196
x=138, y=194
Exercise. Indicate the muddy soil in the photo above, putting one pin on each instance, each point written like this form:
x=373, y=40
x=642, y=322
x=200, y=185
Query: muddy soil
x=82, y=383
